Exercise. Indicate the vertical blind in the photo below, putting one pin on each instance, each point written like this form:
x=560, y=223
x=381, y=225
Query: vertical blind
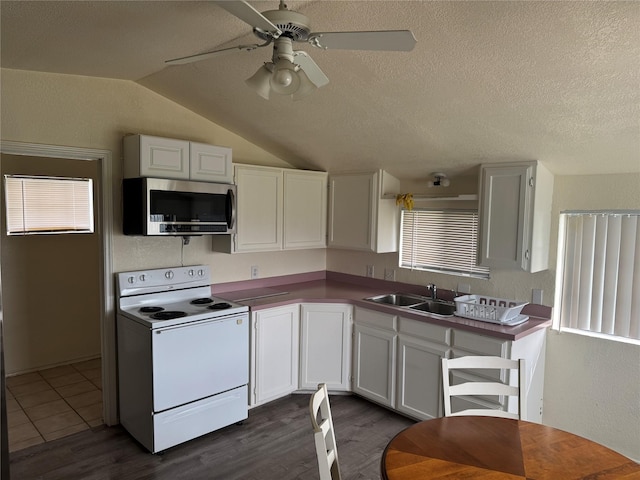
x=599, y=273
x=48, y=205
x=441, y=240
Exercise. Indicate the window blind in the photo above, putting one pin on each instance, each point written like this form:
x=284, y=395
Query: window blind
x=48, y=205
x=599, y=273
x=441, y=240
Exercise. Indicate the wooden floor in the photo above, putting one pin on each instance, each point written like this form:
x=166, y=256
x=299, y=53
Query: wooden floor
x=275, y=442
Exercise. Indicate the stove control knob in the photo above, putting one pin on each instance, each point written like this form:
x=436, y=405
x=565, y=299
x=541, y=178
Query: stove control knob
x=168, y=274
x=143, y=277
x=131, y=280
x=201, y=272
x=191, y=273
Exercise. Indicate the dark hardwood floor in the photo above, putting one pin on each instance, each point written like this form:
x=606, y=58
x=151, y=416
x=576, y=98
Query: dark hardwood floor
x=275, y=442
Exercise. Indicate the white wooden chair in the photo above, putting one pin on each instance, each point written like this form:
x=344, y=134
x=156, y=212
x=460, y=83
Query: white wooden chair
x=476, y=388
x=325, y=438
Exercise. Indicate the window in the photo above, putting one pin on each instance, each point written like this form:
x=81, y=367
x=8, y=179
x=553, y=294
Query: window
x=598, y=277
x=441, y=240
x=37, y=205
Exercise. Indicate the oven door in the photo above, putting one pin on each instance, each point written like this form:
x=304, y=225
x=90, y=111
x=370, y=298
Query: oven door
x=196, y=360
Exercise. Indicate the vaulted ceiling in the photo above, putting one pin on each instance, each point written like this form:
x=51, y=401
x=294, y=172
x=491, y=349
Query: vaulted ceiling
x=495, y=81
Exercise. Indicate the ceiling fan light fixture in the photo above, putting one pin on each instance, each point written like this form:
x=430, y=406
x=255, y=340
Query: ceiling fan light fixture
x=284, y=79
x=306, y=86
x=261, y=81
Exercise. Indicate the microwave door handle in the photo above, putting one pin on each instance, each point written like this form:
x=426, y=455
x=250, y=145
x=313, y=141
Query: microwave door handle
x=231, y=208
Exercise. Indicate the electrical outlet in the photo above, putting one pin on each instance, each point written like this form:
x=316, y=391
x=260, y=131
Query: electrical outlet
x=390, y=274
x=536, y=296
x=254, y=271
x=369, y=270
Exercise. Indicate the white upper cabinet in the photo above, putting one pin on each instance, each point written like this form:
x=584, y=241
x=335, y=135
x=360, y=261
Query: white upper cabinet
x=210, y=163
x=359, y=217
x=278, y=209
x=305, y=209
x=515, y=216
x=260, y=221
x=149, y=156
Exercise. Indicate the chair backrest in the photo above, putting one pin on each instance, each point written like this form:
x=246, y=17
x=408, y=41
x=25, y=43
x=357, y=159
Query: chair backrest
x=325, y=438
x=477, y=388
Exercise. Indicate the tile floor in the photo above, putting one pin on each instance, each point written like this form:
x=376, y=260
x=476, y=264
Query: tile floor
x=53, y=403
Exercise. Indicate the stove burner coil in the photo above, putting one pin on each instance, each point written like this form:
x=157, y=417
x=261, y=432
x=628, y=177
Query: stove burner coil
x=201, y=301
x=219, y=306
x=151, y=309
x=168, y=315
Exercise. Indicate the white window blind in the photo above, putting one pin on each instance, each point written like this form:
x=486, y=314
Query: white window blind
x=36, y=205
x=598, y=279
x=441, y=240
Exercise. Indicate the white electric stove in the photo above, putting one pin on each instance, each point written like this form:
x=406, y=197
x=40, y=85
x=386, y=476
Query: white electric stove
x=183, y=356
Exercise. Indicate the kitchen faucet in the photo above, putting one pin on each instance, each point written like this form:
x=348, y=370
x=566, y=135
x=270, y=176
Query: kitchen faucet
x=434, y=290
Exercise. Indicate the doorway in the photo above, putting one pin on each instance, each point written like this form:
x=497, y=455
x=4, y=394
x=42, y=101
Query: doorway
x=101, y=162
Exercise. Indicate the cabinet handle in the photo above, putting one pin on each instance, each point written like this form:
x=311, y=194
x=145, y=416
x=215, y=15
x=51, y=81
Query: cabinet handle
x=531, y=181
x=527, y=255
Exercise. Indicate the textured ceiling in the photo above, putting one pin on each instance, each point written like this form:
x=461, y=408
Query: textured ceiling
x=487, y=81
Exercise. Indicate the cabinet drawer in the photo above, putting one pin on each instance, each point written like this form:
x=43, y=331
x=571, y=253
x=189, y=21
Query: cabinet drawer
x=474, y=344
x=376, y=319
x=428, y=331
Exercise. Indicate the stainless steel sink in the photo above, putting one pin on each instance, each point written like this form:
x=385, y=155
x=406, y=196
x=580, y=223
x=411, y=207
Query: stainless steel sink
x=416, y=302
x=398, y=299
x=436, y=306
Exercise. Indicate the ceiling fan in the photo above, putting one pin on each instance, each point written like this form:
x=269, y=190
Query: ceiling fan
x=293, y=72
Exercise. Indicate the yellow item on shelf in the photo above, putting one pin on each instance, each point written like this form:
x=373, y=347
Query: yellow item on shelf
x=406, y=199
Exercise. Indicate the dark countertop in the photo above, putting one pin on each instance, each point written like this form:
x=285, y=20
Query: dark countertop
x=350, y=289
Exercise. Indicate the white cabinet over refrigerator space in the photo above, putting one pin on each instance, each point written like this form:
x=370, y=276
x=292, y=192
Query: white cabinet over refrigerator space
x=515, y=216
x=149, y=156
x=359, y=217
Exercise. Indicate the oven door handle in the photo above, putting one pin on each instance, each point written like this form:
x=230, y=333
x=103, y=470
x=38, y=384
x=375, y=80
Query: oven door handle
x=240, y=318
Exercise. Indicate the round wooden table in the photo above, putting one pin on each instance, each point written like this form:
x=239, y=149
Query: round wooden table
x=498, y=448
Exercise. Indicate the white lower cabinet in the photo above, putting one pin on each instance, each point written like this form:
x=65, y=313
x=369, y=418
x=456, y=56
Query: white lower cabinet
x=397, y=363
x=325, y=345
x=374, y=356
x=421, y=348
x=274, y=353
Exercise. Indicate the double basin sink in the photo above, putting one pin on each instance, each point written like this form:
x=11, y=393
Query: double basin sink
x=416, y=302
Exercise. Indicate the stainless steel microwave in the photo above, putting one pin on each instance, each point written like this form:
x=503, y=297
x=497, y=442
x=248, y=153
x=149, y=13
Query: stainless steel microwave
x=161, y=206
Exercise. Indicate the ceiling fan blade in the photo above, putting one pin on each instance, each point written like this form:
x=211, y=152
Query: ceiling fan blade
x=310, y=68
x=250, y=15
x=215, y=53
x=390, y=40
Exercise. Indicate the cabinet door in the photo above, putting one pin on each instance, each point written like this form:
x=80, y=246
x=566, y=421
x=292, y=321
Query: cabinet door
x=275, y=353
x=210, y=163
x=325, y=339
x=352, y=211
x=420, y=378
x=374, y=364
x=504, y=211
x=147, y=156
x=259, y=209
x=305, y=209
